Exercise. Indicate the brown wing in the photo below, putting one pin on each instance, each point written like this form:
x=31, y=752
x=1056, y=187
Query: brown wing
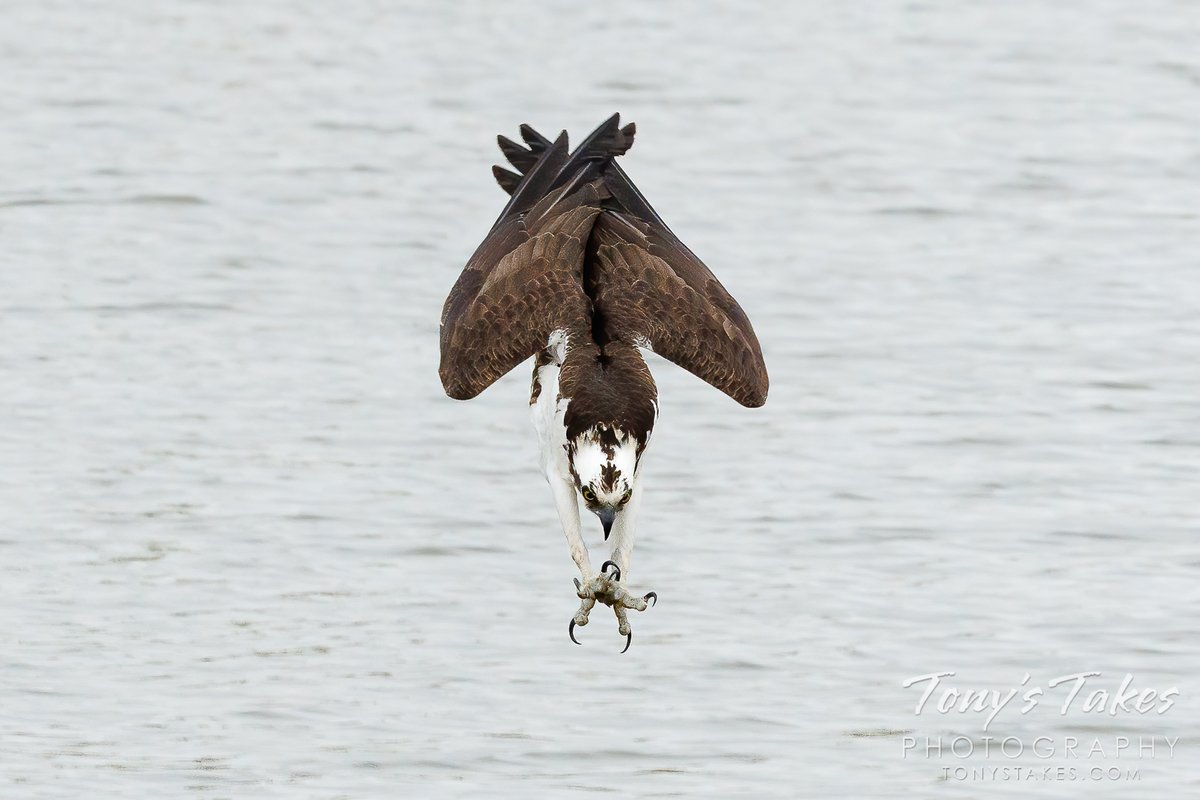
x=526, y=279
x=649, y=289
x=524, y=282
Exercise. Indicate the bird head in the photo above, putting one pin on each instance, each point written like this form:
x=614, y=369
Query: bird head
x=604, y=461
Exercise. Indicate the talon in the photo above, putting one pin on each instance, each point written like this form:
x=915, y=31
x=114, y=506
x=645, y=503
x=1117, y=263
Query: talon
x=616, y=569
x=651, y=598
x=571, y=633
x=578, y=588
x=628, y=640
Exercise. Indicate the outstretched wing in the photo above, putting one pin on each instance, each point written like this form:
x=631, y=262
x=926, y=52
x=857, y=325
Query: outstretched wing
x=650, y=289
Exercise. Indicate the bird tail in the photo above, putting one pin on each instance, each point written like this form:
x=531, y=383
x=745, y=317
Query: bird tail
x=607, y=141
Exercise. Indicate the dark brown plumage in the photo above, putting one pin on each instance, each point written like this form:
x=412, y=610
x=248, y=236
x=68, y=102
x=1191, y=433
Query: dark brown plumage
x=578, y=249
x=612, y=387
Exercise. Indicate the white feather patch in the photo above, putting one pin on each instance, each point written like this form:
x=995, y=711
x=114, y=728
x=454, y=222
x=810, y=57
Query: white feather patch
x=592, y=460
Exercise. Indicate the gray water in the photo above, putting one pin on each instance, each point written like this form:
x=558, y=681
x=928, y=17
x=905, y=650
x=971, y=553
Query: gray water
x=249, y=549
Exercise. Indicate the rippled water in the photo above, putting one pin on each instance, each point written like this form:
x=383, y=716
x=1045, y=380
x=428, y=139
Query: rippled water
x=249, y=548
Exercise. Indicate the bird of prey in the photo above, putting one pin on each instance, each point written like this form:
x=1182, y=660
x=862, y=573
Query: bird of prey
x=579, y=272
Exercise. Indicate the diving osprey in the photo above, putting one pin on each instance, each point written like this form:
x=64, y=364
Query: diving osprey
x=579, y=272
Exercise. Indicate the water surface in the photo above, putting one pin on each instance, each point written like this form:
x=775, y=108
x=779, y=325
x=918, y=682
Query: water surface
x=250, y=549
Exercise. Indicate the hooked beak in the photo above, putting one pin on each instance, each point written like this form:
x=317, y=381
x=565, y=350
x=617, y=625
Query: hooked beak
x=606, y=515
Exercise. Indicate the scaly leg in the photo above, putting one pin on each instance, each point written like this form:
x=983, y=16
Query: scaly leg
x=622, y=530
x=567, y=503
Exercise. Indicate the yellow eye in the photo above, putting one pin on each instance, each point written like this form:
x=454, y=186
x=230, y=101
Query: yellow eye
x=588, y=494
x=625, y=499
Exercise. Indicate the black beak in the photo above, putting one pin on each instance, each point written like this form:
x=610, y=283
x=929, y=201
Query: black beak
x=606, y=515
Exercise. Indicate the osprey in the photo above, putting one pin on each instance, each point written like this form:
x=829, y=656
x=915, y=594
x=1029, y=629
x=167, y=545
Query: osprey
x=579, y=272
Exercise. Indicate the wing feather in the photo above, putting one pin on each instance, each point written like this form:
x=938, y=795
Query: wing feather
x=526, y=279
x=524, y=282
x=651, y=290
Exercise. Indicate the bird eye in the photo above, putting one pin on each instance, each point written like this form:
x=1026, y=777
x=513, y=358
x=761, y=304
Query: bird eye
x=625, y=499
x=588, y=494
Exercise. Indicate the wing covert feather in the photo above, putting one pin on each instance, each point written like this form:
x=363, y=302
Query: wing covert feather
x=651, y=290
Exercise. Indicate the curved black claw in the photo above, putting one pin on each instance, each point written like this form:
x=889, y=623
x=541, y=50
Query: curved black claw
x=628, y=640
x=617, y=569
x=571, y=632
x=578, y=588
x=651, y=598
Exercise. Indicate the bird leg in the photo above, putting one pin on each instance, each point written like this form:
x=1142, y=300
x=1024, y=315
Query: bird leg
x=604, y=587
